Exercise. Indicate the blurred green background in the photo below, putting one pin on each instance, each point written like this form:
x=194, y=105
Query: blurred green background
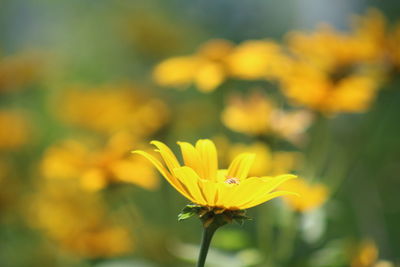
x=79, y=91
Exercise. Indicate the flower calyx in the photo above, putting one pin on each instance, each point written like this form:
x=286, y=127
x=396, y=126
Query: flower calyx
x=213, y=215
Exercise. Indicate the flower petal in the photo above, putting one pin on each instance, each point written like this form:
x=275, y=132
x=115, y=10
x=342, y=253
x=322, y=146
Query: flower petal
x=241, y=165
x=210, y=191
x=225, y=194
x=209, y=158
x=222, y=175
x=255, y=187
x=191, y=158
x=266, y=198
x=167, y=155
x=190, y=181
x=164, y=172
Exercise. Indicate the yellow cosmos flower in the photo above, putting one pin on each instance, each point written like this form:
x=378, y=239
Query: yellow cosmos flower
x=200, y=180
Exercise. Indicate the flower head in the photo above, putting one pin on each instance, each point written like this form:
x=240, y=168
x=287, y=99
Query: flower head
x=200, y=180
x=98, y=166
x=206, y=68
x=313, y=195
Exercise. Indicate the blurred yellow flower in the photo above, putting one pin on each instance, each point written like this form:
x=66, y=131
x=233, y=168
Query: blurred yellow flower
x=17, y=71
x=200, y=180
x=15, y=129
x=329, y=49
x=311, y=197
x=112, y=108
x=366, y=255
x=256, y=114
x=333, y=71
x=258, y=59
x=96, y=168
x=248, y=115
x=266, y=162
x=315, y=88
x=77, y=222
x=206, y=68
x=394, y=46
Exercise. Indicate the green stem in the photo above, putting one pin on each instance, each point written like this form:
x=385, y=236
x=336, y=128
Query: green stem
x=205, y=244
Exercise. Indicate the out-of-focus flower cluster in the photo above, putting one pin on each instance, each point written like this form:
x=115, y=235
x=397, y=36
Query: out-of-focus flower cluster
x=78, y=222
x=325, y=70
x=97, y=166
x=114, y=119
x=257, y=115
x=65, y=161
x=113, y=108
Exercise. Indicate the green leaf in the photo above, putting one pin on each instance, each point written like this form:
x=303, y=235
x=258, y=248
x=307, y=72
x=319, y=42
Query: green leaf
x=185, y=215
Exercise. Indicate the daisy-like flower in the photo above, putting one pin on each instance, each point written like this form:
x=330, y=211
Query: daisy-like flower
x=200, y=180
x=219, y=195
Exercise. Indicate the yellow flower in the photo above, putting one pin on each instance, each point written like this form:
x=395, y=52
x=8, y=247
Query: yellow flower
x=248, y=115
x=110, y=109
x=15, y=129
x=258, y=59
x=200, y=180
x=366, y=255
x=256, y=114
x=77, y=221
x=266, y=162
x=95, y=168
x=394, y=46
x=328, y=48
x=206, y=69
x=334, y=71
x=312, y=196
x=317, y=89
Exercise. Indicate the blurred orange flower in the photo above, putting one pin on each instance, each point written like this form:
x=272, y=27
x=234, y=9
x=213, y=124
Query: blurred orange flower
x=96, y=168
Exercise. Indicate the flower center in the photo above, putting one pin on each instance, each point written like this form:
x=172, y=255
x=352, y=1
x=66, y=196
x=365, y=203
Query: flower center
x=232, y=180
